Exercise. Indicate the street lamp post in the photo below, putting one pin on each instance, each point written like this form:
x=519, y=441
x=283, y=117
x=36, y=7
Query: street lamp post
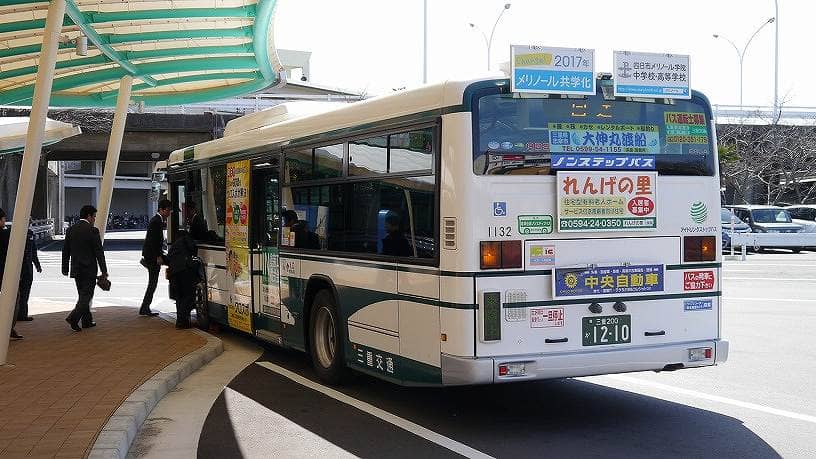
x=489, y=41
x=741, y=53
x=776, y=59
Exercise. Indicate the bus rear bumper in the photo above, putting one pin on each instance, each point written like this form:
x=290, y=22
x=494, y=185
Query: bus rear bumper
x=485, y=370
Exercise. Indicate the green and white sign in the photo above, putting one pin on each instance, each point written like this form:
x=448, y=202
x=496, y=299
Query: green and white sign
x=698, y=212
x=535, y=224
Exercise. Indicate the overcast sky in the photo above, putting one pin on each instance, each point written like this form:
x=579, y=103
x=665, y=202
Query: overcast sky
x=376, y=45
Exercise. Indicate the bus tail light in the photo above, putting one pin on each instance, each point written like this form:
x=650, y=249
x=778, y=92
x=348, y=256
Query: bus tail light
x=699, y=248
x=700, y=353
x=513, y=369
x=490, y=254
x=500, y=254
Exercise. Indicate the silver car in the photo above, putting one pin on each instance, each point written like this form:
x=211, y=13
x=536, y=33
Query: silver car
x=768, y=219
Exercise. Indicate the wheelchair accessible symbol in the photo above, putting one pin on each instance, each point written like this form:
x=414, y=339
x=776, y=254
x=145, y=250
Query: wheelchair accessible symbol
x=500, y=209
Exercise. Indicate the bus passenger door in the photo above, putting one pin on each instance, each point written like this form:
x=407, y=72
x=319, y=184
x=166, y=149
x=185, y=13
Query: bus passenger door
x=266, y=207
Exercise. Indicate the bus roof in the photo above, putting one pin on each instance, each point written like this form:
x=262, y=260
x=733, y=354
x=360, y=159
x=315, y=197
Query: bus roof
x=294, y=120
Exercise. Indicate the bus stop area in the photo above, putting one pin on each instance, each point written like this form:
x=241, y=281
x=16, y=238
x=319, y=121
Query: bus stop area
x=60, y=388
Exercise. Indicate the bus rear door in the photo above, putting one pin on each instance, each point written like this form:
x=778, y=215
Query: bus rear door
x=266, y=312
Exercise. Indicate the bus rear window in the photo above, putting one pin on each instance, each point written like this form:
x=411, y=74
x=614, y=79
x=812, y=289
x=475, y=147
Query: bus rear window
x=519, y=136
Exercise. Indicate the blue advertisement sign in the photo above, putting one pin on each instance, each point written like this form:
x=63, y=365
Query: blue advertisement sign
x=608, y=280
x=551, y=70
x=604, y=138
x=697, y=305
x=603, y=162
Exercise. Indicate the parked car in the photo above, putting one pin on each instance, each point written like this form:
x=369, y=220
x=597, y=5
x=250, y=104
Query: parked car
x=731, y=224
x=767, y=219
x=804, y=215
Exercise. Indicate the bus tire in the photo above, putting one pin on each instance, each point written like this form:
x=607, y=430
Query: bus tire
x=202, y=313
x=797, y=249
x=326, y=339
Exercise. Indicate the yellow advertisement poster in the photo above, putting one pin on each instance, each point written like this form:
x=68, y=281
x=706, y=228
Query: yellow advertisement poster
x=237, y=245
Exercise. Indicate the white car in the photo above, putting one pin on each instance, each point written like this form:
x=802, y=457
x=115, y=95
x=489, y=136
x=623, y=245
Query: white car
x=804, y=215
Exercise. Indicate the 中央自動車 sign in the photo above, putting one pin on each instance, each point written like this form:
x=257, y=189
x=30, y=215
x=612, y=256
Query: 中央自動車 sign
x=608, y=280
x=545, y=69
x=651, y=75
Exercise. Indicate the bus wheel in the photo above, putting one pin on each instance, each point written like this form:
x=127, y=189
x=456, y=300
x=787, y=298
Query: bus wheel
x=325, y=339
x=797, y=250
x=202, y=314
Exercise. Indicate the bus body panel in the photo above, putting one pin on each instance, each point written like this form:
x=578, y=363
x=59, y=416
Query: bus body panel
x=424, y=323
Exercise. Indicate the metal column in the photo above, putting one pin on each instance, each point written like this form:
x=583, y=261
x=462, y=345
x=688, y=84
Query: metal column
x=28, y=171
x=112, y=159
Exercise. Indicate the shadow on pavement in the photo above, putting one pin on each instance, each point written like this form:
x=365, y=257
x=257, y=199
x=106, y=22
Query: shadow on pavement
x=546, y=418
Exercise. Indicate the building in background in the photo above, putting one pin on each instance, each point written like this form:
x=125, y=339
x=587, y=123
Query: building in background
x=71, y=171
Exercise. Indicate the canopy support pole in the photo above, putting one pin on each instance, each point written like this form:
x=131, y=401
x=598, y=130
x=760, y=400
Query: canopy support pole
x=114, y=149
x=28, y=171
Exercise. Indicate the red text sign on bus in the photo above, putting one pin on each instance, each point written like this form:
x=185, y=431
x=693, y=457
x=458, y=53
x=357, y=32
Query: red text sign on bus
x=698, y=280
x=607, y=201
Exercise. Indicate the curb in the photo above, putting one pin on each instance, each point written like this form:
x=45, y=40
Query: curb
x=118, y=433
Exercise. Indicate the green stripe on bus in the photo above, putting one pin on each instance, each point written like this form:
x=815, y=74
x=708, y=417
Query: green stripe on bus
x=693, y=266
x=669, y=296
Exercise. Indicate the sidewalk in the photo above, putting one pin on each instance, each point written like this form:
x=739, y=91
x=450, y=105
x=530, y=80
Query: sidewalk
x=62, y=386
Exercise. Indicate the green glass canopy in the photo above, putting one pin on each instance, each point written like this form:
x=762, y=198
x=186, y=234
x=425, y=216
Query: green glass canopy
x=178, y=51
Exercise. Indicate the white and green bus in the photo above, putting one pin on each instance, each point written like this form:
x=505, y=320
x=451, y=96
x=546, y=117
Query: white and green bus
x=459, y=233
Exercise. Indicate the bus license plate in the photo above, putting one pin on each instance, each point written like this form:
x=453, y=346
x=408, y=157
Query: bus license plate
x=607, y=330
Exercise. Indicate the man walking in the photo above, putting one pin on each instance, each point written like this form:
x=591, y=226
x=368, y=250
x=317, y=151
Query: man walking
x=27, y=277
x=153, y=254
x=83, y=250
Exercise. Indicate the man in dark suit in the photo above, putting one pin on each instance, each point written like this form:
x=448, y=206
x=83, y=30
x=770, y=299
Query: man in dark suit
x=27, y=276
x=83, y=251
x=153, y=254
x=5, y=234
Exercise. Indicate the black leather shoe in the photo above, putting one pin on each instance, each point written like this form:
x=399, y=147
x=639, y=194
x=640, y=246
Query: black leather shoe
x=89, y=325
x=14, y=335
x=74, y=325
x=147, y=312
x=25, y=319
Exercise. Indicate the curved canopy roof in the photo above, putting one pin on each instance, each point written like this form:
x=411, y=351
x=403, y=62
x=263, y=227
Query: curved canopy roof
x=179, y=51
x=14, y=130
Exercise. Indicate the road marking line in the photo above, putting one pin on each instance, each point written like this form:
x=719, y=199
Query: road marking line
x=783, y=300
x=714, y=398
x=402, y=423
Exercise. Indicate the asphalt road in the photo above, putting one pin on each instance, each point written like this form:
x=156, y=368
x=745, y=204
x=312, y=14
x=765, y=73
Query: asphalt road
x=761, y=403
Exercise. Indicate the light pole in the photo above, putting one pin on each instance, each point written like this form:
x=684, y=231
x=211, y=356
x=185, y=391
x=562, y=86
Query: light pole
x=424, y=41
x=741, y=54
x=489, y=41
x=776, y=59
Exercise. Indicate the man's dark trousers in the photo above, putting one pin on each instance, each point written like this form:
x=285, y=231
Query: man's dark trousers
x=85, y=284
x=26, y=279
x=153, y=270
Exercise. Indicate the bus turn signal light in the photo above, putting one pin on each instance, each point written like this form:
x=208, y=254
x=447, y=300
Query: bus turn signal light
x=699, y=248
x=500, y=254
x=490, y=254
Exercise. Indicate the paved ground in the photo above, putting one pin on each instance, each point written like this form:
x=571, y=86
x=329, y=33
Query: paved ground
x=762, y=403
x=62, y=385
